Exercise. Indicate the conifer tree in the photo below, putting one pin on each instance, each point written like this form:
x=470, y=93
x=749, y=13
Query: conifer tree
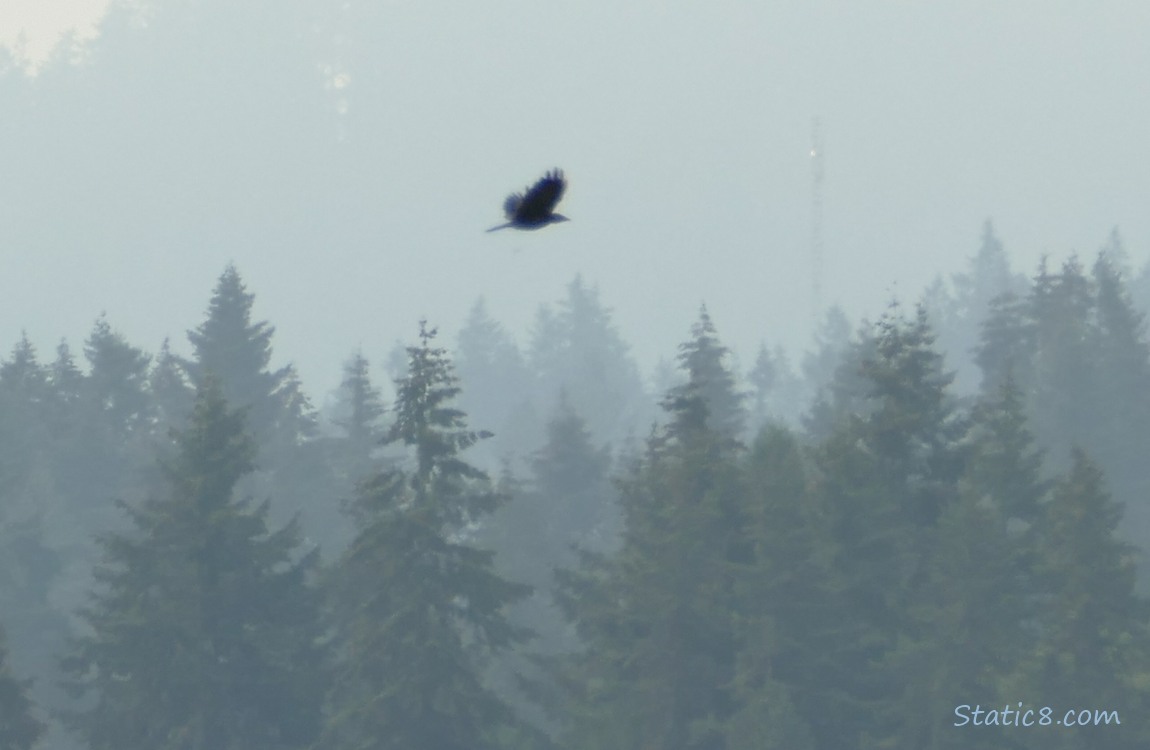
x=1065, y=359
x=291, y=466
x=782, y=603
x=577, y=348
x=23, y=372
x=1091, y=643
x=887, y=474
x=566, y=505
x=967, y=623
x=19, y=727
x=170, y=391
x=832, y=338
x=840, y=391
x=960, y=317
x=777, y=392
x=358, y=414
x=1005, y=466
x=498, y=389
x=203, y=628
x=1121, y=418
x=1006, y=343
x=703, y=358
x=656, y=618
x=117, y=383
x=28, y=565
x=415, y=604
x=66, y=383
x=237, y=352
x=24, y=396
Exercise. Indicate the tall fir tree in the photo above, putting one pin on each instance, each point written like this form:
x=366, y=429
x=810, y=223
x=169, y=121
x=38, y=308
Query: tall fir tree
x=1005, y=343
x=237, y=352
x=498, y=388
x=1065, y=358
x=704, y=359
x=565, y=505
x=1122, y=410
x=66, y=383
x=415, y=604
x=576, y=347
x=782, y=603
x=203, y=630
x=173, y=396
x=1091, y=643
x=968, y=622
x=959, y=312
x=777, y=392
x=886, y=475
x=834, y=374
x=29, y=564
x=117, y=383
x=290, y=461
x=656, y=618
x=359, y=416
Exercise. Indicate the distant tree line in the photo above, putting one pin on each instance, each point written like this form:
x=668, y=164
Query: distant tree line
x=191, y=556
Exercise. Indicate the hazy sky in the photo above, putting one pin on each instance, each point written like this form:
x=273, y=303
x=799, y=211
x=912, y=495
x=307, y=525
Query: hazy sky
x=685, y=130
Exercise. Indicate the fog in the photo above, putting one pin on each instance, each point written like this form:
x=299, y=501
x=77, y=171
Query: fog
x=294, y=454
x=685, y=131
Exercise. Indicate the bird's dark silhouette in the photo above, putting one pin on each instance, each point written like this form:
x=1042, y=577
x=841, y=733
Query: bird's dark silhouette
x=535, y=207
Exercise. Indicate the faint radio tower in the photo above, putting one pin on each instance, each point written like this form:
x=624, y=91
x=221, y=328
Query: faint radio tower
x=816, y=220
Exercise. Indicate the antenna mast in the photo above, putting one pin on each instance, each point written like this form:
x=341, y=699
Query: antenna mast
x=816, y=220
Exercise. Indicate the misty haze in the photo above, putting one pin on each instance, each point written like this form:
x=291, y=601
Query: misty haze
x=800, y=402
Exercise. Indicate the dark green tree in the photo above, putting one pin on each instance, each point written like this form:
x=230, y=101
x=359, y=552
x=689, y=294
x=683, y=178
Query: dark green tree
x=704, y=359
x=415, y=604
x=29, y=566
x=969, y=621
x=1121, y=417
x=1077, y=348
x=1065, y=359
x=237, y=352
x=1005, y=343
x=1091, y=644
x=117, y=384
x=204, y=628
x=886, y=475
x=1005, y=464
x=655, y=619
x=782, y=604
x=291, y=465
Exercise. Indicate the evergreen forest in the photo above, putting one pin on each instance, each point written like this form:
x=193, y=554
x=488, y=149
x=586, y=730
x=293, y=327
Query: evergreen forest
x=526, y=548
x=929, y=530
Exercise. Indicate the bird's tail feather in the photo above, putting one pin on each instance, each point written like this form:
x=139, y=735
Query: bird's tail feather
x=501, y=226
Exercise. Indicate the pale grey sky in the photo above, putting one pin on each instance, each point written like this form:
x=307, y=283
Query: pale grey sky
x=685, y=130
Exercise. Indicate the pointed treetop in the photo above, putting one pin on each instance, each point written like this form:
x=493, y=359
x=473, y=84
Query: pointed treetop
x=424, y=416
x=710, y=395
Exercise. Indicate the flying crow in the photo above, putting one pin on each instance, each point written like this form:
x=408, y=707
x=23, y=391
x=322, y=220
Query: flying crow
x=535, y=207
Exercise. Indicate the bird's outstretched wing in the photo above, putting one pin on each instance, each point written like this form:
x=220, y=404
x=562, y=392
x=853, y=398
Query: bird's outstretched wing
x=511, y=205
x=540, y=199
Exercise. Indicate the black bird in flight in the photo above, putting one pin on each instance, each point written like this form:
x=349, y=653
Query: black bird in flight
x=535, y=207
